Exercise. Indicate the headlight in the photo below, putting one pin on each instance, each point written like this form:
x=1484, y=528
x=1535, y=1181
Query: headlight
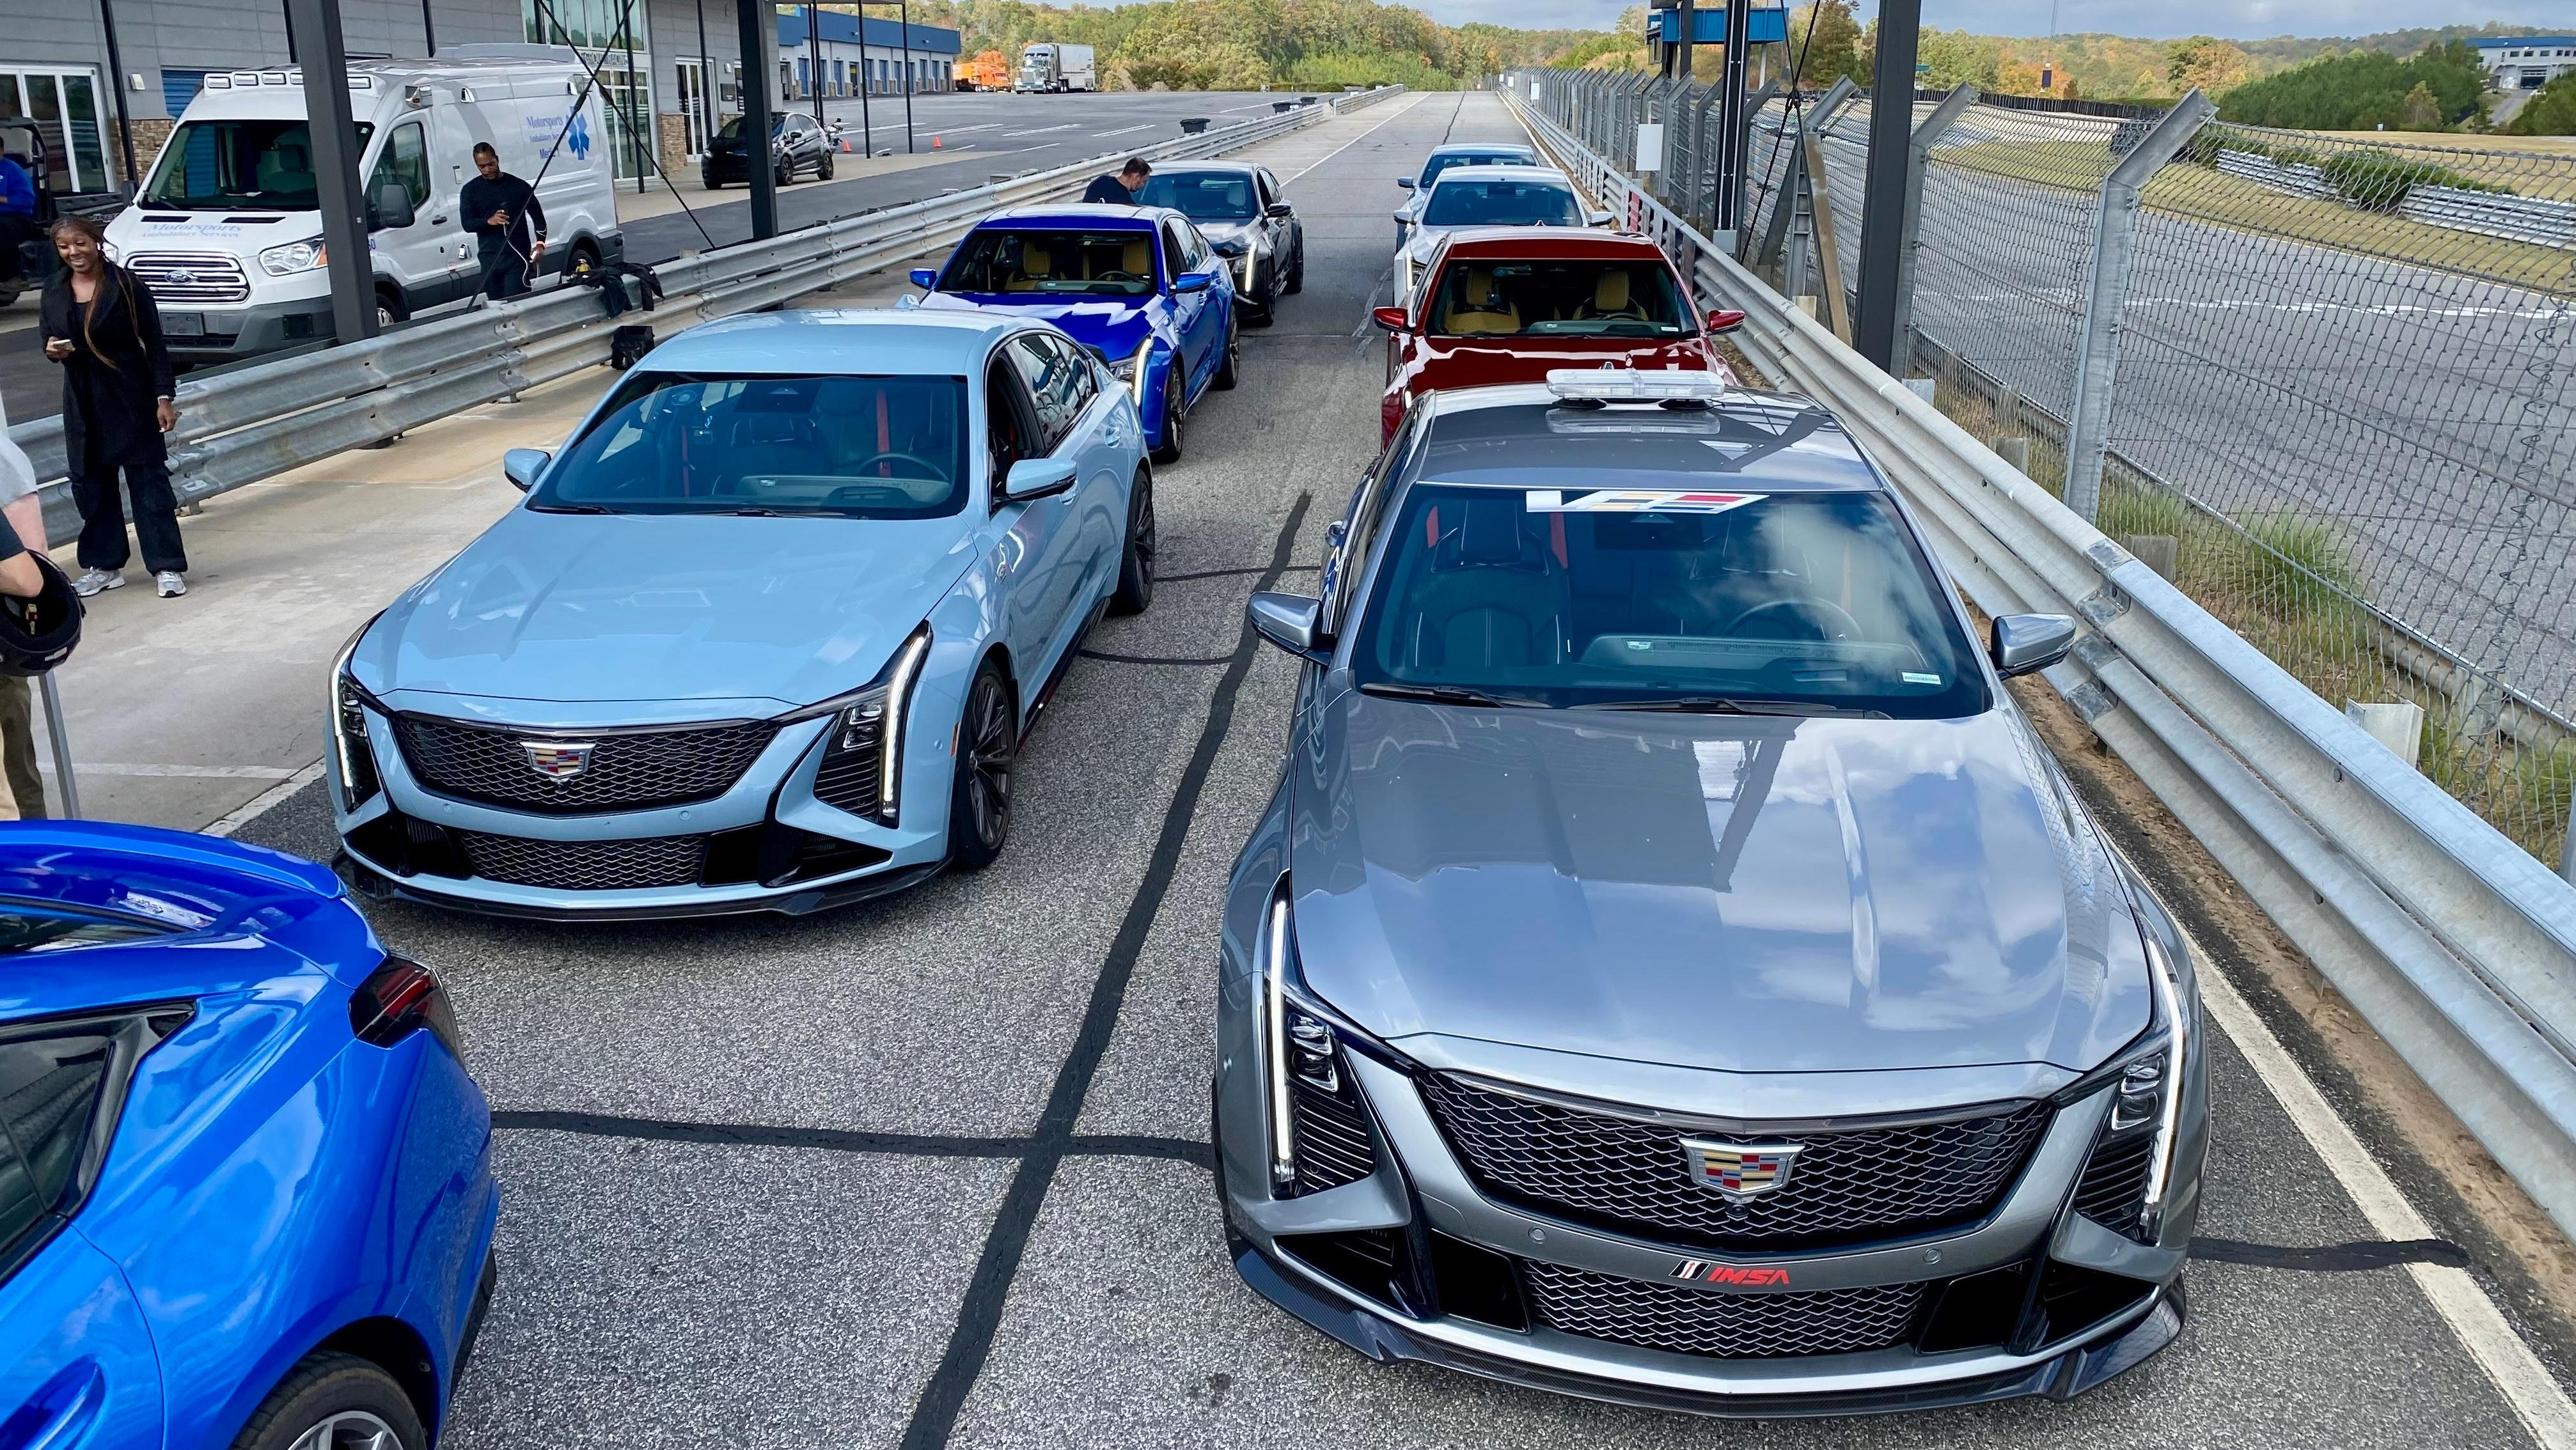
x=1134, y=371
x=2130, y=1170
x=294, y=257
x=1404, y=276
x=349, y=750
x=1304, y=1081
x=862, y=766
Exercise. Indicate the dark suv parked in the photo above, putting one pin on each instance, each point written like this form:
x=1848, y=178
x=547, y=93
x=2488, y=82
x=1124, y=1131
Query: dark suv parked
x=796, y=144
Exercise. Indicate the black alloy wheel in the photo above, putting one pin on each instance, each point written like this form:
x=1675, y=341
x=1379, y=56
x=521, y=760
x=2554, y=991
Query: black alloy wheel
x=1136, y=564
x=1229, y=368
x=1296, y=281
x=988, y=750
x=823, y=170
x=1170, y=449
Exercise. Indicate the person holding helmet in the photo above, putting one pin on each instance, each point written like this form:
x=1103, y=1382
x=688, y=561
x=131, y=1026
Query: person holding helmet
x=22, y=522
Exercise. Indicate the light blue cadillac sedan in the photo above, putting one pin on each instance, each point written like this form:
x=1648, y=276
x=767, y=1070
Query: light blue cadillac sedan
x=765, y=636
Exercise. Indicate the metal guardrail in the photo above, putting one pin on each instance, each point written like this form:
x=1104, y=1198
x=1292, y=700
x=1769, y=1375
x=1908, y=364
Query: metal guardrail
x=2532, y=219
x=2457, y=946
x=241, y=427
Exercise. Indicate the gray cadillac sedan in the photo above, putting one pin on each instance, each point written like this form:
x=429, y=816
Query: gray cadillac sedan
x=1670, y=969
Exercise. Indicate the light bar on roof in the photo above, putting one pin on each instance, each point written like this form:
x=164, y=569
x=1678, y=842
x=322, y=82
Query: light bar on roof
x=1628, y=385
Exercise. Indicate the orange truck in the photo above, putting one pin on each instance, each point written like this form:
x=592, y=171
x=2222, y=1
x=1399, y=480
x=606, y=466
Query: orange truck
x=988, y=71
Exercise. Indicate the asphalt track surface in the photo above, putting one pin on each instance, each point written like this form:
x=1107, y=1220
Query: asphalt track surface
x=931, y=1171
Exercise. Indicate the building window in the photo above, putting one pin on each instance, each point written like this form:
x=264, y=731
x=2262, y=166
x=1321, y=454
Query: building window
x=64, y=104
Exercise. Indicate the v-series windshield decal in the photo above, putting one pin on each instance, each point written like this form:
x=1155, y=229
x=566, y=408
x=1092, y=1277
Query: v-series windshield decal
x=1636, y=501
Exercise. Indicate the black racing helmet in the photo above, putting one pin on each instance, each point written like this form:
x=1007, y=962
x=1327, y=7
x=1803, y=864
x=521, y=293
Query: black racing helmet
x=38, y=634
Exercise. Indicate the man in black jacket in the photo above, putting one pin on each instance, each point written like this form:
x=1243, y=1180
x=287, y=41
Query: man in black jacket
x=1121, y=190
x=500, y=209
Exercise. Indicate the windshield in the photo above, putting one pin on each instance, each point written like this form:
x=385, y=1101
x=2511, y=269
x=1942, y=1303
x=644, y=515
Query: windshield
x=1786, y=603
x=1202, y=196
x=236, y=165
x=1502, y=204
x=732, y=130
x=851, y=447
x=1432, y=168
x=1007, y=259
x=1481, y=298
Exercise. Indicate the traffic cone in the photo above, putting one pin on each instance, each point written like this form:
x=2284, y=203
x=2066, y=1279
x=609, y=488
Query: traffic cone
x=934, y=143
x=845, y=146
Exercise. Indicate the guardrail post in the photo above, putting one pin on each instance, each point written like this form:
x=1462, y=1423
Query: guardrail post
x=2106, y=295
x=757, y=20
x=62, y=738
x=1918, y=160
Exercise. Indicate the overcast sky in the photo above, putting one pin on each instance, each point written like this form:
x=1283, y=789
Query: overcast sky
x=2235, y=19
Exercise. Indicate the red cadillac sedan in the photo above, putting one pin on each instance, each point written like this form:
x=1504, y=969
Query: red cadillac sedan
x=1507, y=304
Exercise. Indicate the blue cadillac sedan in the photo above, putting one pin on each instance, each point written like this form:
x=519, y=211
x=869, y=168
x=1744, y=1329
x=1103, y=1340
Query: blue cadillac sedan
x=246, y=1196
x=766, y=635
x=1139, y=286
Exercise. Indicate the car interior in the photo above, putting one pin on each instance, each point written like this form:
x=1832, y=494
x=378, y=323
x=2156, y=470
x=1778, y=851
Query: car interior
x=877, y=447
x=1119, y=263
x=1479, y=298
x=1807, y=593
x=1202, y=196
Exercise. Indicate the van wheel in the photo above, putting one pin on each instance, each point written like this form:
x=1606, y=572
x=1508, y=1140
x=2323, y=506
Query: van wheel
x=390, y=310
x=585, y=253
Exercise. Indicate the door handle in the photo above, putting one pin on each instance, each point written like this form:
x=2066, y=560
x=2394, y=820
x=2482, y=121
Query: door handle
x=438, y=221
x=64, y=1411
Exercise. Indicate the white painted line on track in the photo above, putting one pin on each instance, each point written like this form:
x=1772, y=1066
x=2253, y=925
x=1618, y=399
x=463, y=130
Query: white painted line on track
x=2461, y=1301
x=1042, y=130
x=267, y=800
x=1123, y=131
x=1410, y=103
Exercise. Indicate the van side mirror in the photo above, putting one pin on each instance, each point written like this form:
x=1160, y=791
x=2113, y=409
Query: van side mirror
x=522, y=465
x=2024, y=643
x=1290, y=621
x=390, y=208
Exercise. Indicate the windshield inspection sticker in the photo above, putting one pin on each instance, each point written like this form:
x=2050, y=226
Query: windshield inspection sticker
x=1916, y=677
x=1636, y=501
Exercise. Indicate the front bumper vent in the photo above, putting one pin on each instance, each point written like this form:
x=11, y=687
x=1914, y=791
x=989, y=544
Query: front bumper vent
x=1682, y=1320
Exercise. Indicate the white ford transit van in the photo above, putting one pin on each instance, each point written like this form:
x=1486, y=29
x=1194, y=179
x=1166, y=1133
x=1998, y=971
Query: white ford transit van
x=227, y=235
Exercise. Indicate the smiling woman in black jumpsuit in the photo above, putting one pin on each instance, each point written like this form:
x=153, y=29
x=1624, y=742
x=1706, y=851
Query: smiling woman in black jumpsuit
x=101, y=325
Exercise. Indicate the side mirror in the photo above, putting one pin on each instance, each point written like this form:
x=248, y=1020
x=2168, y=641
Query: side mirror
x=1279, y=210
x=1037, y=478
x=390, y=208
x=926, y=278
x=1231, y=247
x=1725, y=321
x=2027, y=642
x=1288, y=621
x=522, y=465
x=1392, y=319
x=1597, y=218
x=1405, y=181
x=1193, y=281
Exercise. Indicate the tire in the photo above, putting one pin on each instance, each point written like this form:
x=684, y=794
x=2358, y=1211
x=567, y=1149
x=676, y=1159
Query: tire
x=352, y=1395
x=1229, y=367
x=1169, y=450
x=823, y=171
x=1296, y=279
x=584, y=250
x=786, y=173
x=988, y=747
x=390, y=310
x=1136, y=561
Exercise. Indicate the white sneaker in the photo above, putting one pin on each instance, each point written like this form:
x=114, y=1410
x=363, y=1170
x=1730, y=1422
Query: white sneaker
x=172, y=586
x=96, y=580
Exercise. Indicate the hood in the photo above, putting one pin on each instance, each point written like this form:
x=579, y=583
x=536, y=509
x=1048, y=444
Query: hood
x=1432, y=362
x=1112, y=326
x=1724, y=893
x=1244, y=231
x=665, y=608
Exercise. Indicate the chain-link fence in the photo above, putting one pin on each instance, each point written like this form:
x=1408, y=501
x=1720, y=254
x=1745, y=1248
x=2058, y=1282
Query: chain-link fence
x=2345, y=412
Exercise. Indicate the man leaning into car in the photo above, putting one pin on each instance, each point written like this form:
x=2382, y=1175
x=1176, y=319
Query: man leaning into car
x=1122, y=189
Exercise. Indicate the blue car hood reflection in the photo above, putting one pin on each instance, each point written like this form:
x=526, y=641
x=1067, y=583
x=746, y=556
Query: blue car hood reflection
x=1734, y=894
x=1111, y=326
x=671, y=607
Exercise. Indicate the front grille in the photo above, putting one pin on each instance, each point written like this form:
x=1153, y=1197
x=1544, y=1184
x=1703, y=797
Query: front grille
x=628, y=770
x=1633, y=1177
x=848, y=779
x=587, y=865
x=2113, y=1190
x=1725, y=1326
x=190, y=276
x=1332, y=1137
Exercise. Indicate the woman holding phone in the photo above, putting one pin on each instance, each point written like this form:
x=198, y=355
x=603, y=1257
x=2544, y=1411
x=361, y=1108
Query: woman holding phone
x=101, y=325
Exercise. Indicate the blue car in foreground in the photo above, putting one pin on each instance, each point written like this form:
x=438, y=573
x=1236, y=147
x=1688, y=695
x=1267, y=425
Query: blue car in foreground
x=246, y=1196
x=766, y=636
x=1139, y=286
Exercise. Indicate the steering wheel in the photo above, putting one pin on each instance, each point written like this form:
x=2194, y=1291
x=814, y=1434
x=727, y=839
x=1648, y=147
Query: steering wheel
x=1837, y=621
x=929, y=469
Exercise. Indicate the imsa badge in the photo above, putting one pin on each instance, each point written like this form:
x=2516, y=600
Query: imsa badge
x=1739, y=1171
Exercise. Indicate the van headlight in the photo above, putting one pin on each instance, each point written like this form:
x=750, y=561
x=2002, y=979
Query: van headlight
x=293, y=257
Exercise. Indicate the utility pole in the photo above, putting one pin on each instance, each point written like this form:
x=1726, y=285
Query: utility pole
x=334, y=129
x=1731, y=119
x=757, y=20
x=1882, y=220
x=903, y=14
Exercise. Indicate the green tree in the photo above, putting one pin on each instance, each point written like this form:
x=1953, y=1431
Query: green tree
x=2207, y=62
x=2552, y=112
x=2423, y=113
x=1825, y=39
x=2362, y=90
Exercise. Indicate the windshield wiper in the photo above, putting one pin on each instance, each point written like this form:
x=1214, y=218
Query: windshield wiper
x=1731, y=705
x=748, y=514
x=1451, y=695
x=569, y=508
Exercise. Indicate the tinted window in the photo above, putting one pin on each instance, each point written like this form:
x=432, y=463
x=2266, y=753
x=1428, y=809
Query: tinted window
x=405, y=160
x=1009, y=259
x=1054, y=378
x=1808, y=598
x=1502, y=204
x=29, y=927
x=240, y=164
x=1431, y=169
x=856, y=447
x=1081, y=375
x=1204, y=195
x=49, y=1090
x=1479, y=298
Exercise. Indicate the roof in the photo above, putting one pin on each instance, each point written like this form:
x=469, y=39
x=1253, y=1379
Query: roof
x=1079, y=214
x=838, y=340
x=844, y=29
x=2515, y=42
x=1545, y=242
x=1503, y=173
x=1465, y=148
x=1520, y=435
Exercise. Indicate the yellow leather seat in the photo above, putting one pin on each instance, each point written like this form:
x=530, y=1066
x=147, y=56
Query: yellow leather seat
x=1613, y=297
x=1036, y=266
x=1480, y=310
x=1138, y=257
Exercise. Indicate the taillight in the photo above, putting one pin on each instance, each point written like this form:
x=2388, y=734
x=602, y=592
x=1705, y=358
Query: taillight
x=399, y=998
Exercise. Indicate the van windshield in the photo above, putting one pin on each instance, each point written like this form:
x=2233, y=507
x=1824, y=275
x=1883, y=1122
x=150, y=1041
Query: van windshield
x=264, y=165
